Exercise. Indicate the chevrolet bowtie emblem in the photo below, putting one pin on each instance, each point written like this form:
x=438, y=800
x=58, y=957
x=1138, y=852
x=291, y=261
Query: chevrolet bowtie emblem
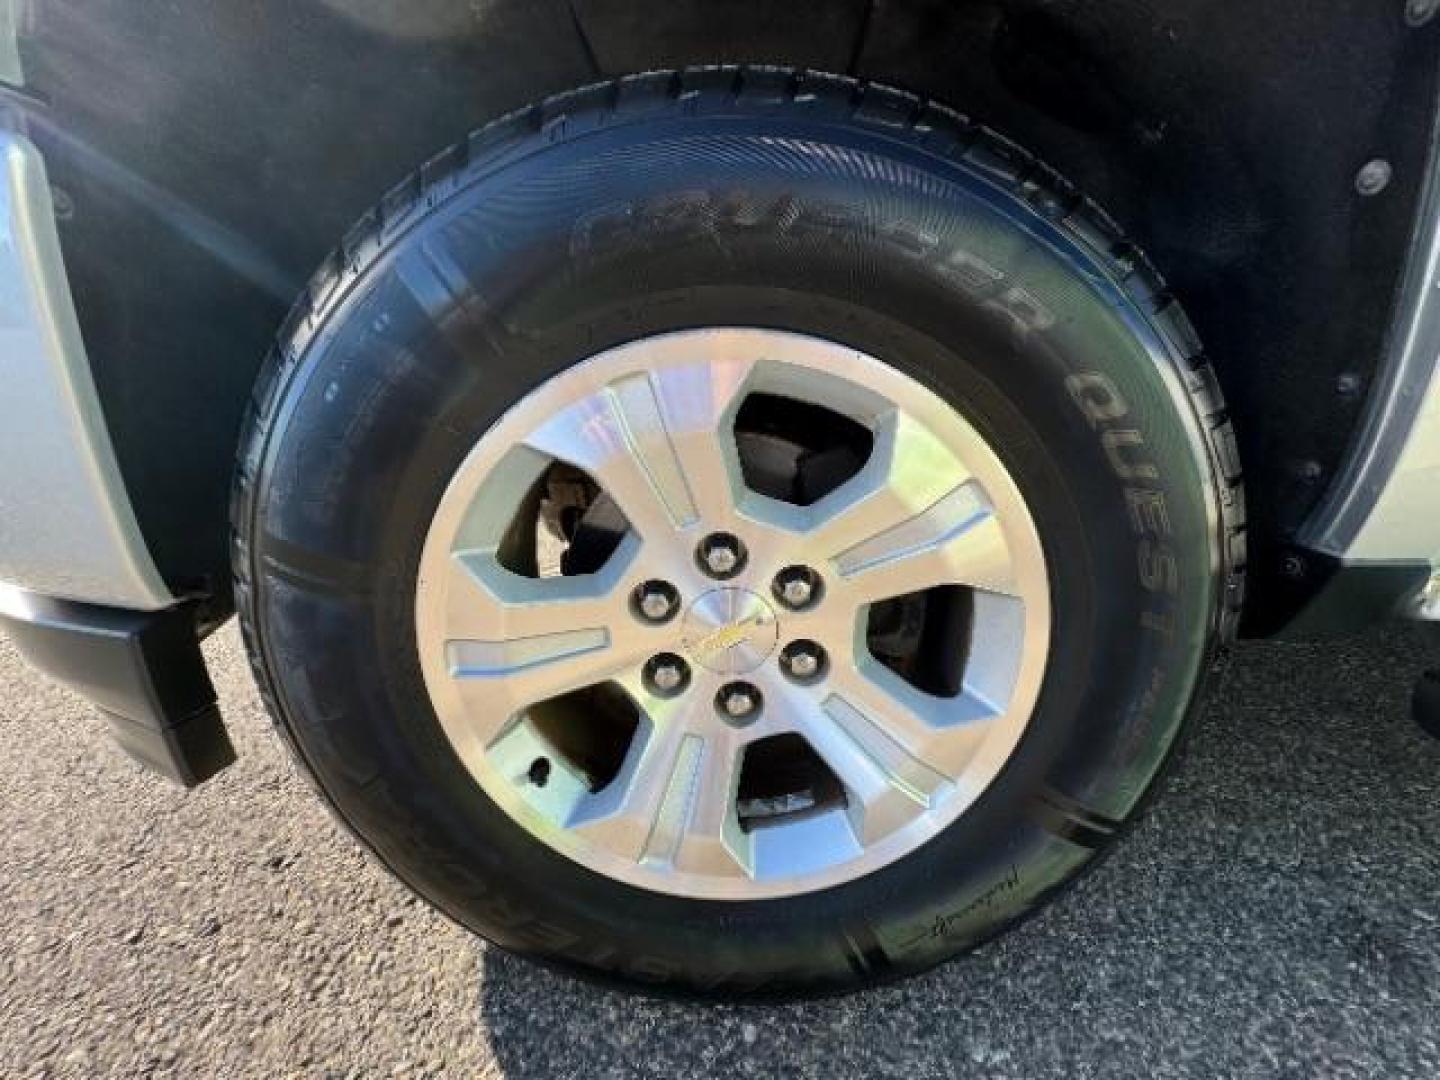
x=726, y=637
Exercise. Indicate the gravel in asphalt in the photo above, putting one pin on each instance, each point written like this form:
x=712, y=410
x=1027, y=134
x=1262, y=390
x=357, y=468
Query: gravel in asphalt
x=1277, y=914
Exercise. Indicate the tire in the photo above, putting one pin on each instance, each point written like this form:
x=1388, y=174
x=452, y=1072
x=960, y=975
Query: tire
x=745, y=197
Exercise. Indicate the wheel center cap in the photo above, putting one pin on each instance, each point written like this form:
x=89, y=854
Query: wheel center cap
x=729, y=631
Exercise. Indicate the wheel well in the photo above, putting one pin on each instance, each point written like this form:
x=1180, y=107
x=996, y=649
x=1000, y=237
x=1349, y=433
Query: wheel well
x=1224, y=138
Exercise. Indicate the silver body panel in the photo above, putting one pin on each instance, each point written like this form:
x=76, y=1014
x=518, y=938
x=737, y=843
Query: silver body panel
x=1384, y=506
x=67, y=528
x=1404, y=521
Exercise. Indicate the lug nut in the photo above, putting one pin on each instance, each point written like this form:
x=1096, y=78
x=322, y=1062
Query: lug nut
x=656, y=601
x=722, y=560
x=667, y=674
x=797, y=587
x=655, y=605
x=667, y=677
x=803, y=661
x=796, y=592
x=721, y=555
x=738, y=701
x=804, y=664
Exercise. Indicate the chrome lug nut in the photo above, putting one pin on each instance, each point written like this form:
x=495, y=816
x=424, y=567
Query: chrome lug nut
x=738, y=701
x=804, y=664
x=655, y=605
x=722, y=560
x=797, y=587
x=668, y=677
x=656, y=601
x=797, y=592
x=721, y=555
x=667, y=674
x=803, y=661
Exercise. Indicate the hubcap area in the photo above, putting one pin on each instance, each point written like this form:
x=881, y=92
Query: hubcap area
x=730, y=631
x=886, y=610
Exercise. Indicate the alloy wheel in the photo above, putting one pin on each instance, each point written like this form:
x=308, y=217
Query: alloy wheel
x=733, y=613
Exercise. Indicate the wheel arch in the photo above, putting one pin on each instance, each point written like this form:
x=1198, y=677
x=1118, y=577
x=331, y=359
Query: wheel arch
x=197, y=202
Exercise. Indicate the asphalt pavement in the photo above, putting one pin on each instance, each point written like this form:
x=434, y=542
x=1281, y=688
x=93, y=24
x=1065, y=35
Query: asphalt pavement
x=1277, y=914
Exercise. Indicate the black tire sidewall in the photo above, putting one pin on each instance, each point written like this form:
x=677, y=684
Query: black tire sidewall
x=910, y=257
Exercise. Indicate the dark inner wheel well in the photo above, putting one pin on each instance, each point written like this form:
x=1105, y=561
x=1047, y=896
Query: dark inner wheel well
x=209, y=157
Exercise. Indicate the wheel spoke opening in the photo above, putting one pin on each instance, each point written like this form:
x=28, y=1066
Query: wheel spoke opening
x=591, y=730
x=782, y=779
x=958, y=648
x=566, y=525
x=563, y=754
x=924, y=637
x=795, y=451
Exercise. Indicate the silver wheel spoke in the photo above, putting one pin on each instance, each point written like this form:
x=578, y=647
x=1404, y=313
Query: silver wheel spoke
x=590, y=435
x=713, y=844
x=518, y=641
x=909, y=470
x=958, y=541
x=646, y=809
x=674, y=807
x=500, y=678
x=913, y=518
x=698, y=405
x=940, y=733
x=658, y=443
x=488, y=603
